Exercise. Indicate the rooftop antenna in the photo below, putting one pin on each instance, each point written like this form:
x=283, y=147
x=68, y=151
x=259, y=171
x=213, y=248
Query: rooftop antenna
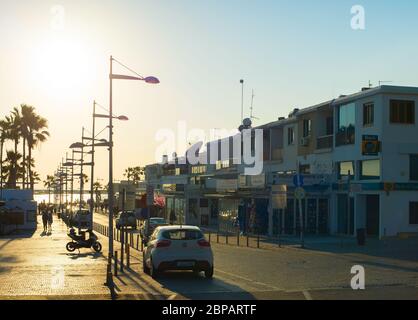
x=242, y=99
x=252, y=107
x=370, y=84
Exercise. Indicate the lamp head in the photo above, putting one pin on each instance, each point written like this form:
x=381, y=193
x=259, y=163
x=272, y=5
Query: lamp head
x=152, y=80
x=123, y=118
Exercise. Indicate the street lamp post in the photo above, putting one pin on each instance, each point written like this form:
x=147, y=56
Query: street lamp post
x=93, y=135
x=81, y=173
x=150, y=80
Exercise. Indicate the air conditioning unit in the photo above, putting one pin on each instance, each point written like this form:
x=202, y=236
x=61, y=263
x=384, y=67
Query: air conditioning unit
x=304, y=141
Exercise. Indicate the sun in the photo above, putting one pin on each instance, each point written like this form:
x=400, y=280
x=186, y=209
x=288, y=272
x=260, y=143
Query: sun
x=62, y=66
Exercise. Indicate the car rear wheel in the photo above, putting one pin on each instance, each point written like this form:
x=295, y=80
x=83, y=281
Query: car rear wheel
x=144, y=266
x=154, y=273
x=209, y=273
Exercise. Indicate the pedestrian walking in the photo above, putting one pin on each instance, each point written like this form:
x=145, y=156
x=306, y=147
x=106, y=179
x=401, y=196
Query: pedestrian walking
x=50, y=221
x=45, y=220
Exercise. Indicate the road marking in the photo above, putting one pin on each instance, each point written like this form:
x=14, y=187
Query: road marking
x=307, y=295
x=249, y=280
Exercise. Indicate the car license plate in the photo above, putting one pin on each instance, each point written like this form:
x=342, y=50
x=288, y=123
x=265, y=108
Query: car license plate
x=185, y=264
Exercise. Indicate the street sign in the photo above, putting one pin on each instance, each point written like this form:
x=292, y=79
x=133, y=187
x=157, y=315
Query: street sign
x=150, y=195
x=298, y=180
x=300, y=193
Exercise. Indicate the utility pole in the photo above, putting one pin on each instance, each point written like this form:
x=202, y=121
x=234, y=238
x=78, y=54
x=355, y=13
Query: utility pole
x=92, y=164
x=81, y=173
x=242, y=100
x=109, y=277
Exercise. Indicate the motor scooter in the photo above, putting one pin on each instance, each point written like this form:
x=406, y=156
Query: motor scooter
x=79, y=241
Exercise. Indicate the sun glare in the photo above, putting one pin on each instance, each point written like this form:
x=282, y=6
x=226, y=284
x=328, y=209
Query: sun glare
x=62, y=67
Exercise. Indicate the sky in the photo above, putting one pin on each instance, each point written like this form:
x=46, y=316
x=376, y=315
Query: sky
x=54, y=55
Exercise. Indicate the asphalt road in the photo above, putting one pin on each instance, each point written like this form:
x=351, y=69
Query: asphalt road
x=292, y=273
x=37, y=266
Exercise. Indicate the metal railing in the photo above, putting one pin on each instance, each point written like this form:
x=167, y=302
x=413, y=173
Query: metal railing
x=325, y=142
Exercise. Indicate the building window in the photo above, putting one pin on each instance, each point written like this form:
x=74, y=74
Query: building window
x=329, y=126
x=198, y=169
x=204, y=203
x=413, y=167
x=413, y=213
x=222, y=164
x=346, y=124
x=290, y=136
x=307, y=128
x=368, y=114
x=344, y=168
x=402, y=111
x=370, y=170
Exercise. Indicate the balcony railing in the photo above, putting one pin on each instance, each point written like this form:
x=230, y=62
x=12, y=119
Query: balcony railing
x=325, y=142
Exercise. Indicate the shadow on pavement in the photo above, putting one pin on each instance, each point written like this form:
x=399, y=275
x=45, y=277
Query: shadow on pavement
x=188, y=285
x=92, y=255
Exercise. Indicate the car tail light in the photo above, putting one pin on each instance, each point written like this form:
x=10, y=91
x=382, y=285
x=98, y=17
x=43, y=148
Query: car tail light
x=163, y=244
x=203, y=243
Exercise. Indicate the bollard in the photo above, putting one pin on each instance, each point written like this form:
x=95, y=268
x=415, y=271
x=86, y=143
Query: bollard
x=238, y=238
x=122, y=250
x=137, y=242
x=226, y=238
x=217, y=237
x=128, y=257
x=116, y=263
x=209, y=237
x=142, y=246
x=258, y=241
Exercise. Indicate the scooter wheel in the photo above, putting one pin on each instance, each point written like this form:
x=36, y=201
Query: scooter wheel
x=70, y=247
x=97, y=247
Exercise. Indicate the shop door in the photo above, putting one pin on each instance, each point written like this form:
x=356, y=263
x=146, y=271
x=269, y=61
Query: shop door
x=311, y=217
x=323, y=213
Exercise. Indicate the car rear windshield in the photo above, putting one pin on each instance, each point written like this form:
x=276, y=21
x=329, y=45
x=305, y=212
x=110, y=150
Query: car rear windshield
x=182, y=234
x=157, y=221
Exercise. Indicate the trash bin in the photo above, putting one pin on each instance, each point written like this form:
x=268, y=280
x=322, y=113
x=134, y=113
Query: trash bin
x=361, y=236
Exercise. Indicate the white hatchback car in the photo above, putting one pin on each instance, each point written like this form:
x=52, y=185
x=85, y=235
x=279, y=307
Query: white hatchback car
x=178, y=248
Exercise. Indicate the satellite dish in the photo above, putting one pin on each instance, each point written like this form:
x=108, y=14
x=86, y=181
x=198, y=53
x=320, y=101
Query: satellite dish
x=247, y=122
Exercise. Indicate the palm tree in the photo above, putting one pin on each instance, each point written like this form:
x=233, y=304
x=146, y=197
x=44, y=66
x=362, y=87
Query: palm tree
x=37, y=134
x=4, y=135
x=13, y=123
x=11, y=169
x=137, y=173
x=97, y=187
x=49, y=183
x=28, y=117
x=128, y=173
x=134, y=173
